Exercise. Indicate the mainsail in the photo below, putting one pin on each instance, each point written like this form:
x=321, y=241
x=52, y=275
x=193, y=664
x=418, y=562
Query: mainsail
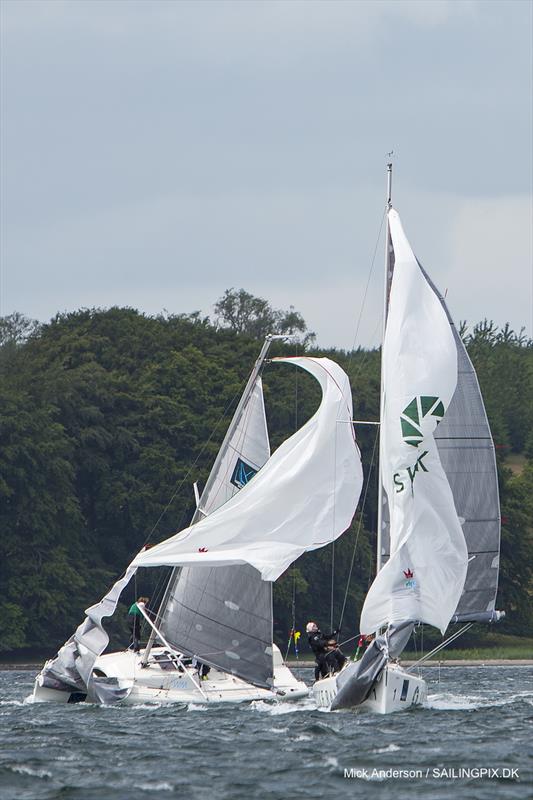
x=304, y=497
x=424, y=576
x=467, y=454
x=242, y=454
x=206, y=608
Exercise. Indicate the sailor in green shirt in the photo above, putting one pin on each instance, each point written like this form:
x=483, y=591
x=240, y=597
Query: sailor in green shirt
x=136, y=618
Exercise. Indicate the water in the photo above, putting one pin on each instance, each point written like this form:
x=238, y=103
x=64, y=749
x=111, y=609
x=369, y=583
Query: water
x=476, y=717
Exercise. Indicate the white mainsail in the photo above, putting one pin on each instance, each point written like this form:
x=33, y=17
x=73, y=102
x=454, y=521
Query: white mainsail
x=424, y=577
x=244, y=454
x=304, y=497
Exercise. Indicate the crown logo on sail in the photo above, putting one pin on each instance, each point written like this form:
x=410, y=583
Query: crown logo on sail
x=408, y=573
x=413, y=415
x=202, y=549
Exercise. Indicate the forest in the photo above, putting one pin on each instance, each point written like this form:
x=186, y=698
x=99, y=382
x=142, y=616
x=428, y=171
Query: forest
x=107, y=417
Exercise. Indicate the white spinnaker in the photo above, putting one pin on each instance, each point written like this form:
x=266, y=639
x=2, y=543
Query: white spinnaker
x=425, y=574
x=304, y=497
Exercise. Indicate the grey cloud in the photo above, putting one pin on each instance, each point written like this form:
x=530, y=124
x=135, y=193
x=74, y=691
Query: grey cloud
x=171, y=150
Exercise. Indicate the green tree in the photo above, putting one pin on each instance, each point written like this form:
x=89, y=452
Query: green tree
x=253, y=316
x=108, y=416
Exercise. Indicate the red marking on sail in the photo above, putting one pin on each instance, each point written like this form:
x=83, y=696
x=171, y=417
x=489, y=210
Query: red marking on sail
x=408, y=573
x=202, y=549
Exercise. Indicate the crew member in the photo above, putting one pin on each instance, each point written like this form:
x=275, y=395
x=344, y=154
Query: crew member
x=335, y=658
x=318, y=642
x=136, y=618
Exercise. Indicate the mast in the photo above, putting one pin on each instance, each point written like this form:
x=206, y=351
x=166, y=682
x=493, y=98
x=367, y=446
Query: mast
x=258, y=366
x=198, y=514
x=386, y=291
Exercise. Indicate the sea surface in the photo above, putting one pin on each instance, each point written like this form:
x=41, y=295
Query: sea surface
x=476, y=718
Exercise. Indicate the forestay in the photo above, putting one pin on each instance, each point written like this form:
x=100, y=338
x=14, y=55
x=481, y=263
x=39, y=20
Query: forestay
x=424, y=576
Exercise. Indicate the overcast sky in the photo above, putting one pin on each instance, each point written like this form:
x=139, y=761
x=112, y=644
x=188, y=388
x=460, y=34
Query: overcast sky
x=156, y=153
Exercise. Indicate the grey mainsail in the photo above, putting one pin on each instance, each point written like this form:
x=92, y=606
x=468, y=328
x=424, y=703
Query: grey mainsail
x=467, y=453
x=468, y=456
x=223, y=615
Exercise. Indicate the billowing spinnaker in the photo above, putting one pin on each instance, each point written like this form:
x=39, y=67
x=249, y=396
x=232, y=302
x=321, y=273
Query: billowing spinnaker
x=424, y=577
x=304, y=497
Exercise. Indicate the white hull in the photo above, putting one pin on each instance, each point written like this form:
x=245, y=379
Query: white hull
x=165, y=681
x=394, y=690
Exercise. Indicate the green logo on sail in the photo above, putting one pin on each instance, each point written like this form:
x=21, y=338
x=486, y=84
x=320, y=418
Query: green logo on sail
x=411, y=418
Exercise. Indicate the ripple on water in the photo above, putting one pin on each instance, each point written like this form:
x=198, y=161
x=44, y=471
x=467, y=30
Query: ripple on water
x=262, y=751
x=35, y=773
x=390, y=748
x=162, y=786
x=451, y=702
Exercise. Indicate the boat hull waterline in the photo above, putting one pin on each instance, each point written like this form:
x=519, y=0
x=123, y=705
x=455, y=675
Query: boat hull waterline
x=164, y=681
x=394, y=690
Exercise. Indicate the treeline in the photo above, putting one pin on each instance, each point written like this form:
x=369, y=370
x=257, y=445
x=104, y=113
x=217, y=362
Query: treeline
x=108, y=417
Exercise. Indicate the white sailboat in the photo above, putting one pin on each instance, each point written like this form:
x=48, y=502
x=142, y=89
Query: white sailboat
x=439, y=517
x=217, y=608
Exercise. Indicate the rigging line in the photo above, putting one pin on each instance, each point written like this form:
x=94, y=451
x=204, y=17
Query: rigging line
x=369, y=576
x=351, y=639
x=333, y=534
x=359, y=527
x=363, y=301
x=195, y=462
x=332, y=584
x=369, y=277
x=293, y=623
x=158, y=593
x=441, y=646
x=296, y=391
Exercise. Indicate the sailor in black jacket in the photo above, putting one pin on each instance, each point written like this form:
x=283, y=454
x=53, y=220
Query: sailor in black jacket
x=318, y=642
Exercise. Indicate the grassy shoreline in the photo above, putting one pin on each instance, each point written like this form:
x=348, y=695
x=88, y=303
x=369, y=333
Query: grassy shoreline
x=495, y=650
x=458, y=659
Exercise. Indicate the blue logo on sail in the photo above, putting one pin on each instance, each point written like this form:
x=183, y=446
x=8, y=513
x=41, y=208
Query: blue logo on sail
x=242, y=473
